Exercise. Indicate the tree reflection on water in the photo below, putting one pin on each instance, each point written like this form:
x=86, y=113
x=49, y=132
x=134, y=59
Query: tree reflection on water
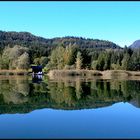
x=22, y=95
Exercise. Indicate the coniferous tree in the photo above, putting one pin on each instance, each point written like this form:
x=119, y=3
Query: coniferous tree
x=101, y=62
x=125, y=61
x=79, y=61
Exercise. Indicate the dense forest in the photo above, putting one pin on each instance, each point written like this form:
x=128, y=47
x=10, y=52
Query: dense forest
x=20, y=50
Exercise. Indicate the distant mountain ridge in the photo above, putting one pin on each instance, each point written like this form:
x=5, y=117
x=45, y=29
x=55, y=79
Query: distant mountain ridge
x=135, y=44
x=27, y=39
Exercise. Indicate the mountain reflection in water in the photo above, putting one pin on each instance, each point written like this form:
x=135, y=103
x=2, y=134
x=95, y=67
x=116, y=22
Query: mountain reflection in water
x=24, y=94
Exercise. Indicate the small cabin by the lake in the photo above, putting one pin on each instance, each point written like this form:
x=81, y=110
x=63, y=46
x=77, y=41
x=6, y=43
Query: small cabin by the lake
x=36, y=69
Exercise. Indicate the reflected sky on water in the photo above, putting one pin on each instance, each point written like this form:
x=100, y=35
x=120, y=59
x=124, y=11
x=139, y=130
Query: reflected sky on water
x=69, y=109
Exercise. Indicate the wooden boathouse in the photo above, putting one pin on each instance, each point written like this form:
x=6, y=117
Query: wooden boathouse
x=37, y=69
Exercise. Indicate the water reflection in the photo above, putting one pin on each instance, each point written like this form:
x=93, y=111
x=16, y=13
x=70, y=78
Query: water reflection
x=22, y=95
x=36, y=78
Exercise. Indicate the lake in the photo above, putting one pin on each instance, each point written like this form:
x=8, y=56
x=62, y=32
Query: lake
x=69, y=108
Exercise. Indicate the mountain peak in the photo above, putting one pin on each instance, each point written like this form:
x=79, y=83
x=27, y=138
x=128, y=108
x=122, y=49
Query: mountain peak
x=135, y=44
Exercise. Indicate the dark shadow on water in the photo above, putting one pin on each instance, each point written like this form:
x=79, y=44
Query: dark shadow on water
x=36, y=78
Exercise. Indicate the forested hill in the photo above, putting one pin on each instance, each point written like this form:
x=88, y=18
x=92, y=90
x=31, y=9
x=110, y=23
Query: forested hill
x=19, y=50
x=20, y=38
x=29, y=40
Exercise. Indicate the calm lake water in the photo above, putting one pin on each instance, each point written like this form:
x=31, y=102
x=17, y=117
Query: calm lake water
x=69, y=108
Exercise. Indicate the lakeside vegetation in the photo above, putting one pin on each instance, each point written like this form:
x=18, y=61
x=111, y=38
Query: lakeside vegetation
x=108, y=59
x=18, y=51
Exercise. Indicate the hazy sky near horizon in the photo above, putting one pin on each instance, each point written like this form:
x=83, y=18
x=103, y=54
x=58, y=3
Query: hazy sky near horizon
x=118, y=22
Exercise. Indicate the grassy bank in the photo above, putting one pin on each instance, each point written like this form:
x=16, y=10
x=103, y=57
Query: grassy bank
x=92, y=73
x=14, y=72
x=63, y=73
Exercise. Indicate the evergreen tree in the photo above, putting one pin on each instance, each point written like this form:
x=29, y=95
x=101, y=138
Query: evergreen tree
x=107, y=58
x=125, y=61
x=57, y=58
x=101, y=62
x=79, y=61
x=94, y=65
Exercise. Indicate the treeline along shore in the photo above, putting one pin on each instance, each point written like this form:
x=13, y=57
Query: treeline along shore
x=66, y=56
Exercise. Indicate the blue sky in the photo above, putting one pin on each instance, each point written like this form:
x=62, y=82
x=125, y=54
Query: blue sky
x=118, y=22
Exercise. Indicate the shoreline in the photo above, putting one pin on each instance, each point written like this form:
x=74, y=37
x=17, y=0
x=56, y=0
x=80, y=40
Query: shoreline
x=14, y=72
x=93, y=73
x=76, y=73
